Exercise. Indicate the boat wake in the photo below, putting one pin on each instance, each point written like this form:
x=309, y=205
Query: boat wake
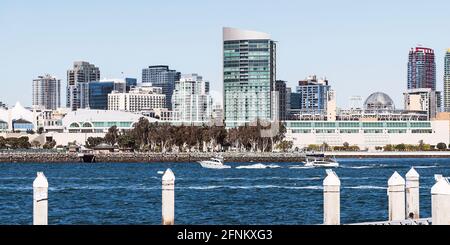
x=425, y=167
x=301, y=167
x=366, y=187
x=211, y=187
x=258, y=166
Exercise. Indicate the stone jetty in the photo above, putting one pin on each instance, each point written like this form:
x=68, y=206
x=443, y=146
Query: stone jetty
x=50, y=157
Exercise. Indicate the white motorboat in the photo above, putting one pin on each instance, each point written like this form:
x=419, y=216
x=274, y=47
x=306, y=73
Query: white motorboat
x=214, y=163
x=320, y=161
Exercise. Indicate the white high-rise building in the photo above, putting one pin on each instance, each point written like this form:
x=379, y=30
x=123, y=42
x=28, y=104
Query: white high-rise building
x=447, y=82
x=191, y=100
x=139, y=99
x=46, y=92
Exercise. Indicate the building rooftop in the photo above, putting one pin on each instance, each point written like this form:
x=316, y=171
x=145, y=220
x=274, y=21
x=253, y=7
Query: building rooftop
x=234, y=34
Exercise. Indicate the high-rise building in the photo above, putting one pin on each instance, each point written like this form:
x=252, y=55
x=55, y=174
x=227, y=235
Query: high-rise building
x=47, y=92
x=99, y=90
x=143, y=98
x=161, y=76
x=423, y=99
x=284, y=97
x=249, y=74
x=313, y=94
x=78, y=80
x=191, y=100
x=447, y=82
x=421, y=68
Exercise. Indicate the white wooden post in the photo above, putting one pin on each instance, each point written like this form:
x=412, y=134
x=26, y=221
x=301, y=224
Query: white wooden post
x=440, y=201
x=40, y=200
x=331, y=199
x=396, y=193
x=412, y=194
x=168, y=198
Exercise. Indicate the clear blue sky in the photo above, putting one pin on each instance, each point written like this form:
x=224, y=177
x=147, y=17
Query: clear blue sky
x=361, y=47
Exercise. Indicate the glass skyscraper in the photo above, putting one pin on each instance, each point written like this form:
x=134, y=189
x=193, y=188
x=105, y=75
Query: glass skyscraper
x=249, y=74
x=161, y=76
x=421, y=68
x=99, y=90
x=447, y=82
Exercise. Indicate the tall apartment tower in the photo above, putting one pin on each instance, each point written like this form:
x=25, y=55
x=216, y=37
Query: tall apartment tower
x=78, y=80
x=191, y=100
x=161, y=76
x=447, y=82
x=421, y=68
x=249, y=74
x=47, y=92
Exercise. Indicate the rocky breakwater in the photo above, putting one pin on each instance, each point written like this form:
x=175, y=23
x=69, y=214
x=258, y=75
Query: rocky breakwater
x=41, y=157
x=194, y=157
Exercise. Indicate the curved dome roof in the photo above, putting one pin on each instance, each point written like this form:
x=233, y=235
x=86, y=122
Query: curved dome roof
x=378, y=101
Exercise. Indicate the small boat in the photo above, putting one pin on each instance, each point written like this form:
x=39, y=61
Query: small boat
x=319, y=160
x=214, y=163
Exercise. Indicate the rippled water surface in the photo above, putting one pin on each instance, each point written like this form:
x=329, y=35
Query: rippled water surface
x=282, y=193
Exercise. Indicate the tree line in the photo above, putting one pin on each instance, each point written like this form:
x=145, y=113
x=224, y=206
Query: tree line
x=163, y=137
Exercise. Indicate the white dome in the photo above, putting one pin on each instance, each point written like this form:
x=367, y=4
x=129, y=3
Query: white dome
x=379, y=101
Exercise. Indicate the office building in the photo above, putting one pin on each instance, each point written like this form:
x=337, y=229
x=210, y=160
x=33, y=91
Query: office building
x=191, y=100
x=46, y=92
x=313, y=94
x=99, y=90
x=78, y=80
x=423, y=99
x=143, y=98
x=283, y=99
x=421, y=68
x=161, y=76
x=249, y=74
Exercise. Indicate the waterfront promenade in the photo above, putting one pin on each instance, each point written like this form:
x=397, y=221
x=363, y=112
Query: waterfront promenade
x=60, y=157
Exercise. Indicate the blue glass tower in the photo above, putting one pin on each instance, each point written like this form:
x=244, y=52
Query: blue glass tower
x=99, y=90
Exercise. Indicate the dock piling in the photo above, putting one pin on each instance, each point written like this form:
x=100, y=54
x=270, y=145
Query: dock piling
x=396, y=194
x=168, y=198
x=332, y=201
x=40, y=200
x=412, y=194
x=440, y=201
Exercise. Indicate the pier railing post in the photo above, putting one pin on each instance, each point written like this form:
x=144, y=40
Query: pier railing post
x=168, y=198
x=396, y=194
x=440, y=201
x=412, y=194
x=40, y=200
x=331, y=199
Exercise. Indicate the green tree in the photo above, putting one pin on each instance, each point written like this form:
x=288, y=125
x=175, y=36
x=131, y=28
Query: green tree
x=285, y=146
x=94, y=141
x=401, y=147
x=112, y=136
x=49, y=145
x=3, y=143
x=127, y=141
x=35, y=144
x=441, y=146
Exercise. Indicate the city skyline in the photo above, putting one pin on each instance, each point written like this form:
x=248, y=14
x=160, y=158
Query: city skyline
x=350, y=51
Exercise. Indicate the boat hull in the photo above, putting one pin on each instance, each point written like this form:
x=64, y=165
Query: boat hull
x=213, y=165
